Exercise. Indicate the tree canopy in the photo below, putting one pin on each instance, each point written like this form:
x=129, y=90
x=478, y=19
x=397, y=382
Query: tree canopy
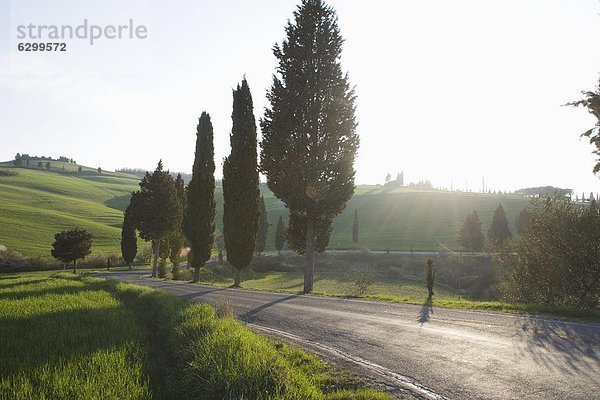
x=558, y=256
x=155, y=209
x=470, y=235
x=240, y=185
x=309, y=130
x=499, y=231
x=73, y=245
x=591, y=101
x=199, y=220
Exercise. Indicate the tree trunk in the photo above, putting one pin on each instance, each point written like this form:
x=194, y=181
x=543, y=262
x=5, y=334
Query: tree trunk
x=74, y=266
x=196, y=273
x=129, y=265
x=156, y=246
x=309, y=267
x=237, y=277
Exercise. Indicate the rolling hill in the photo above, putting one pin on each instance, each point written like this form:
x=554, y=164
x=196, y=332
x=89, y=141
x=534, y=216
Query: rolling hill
x=35, y=204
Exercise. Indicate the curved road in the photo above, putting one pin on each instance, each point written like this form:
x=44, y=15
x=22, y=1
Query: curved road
x=427, y=352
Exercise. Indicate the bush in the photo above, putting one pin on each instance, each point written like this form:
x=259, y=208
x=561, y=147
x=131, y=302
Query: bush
x=185, y=274
x=144, y=256
x=361, y=281
x=558, y=256
x=5, y=172
x=276, y=263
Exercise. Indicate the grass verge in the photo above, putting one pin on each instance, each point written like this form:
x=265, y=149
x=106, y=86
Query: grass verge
x=77, y=337
x=383, y=288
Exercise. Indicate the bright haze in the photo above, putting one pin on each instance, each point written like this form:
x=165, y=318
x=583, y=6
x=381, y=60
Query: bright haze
x=447, y=91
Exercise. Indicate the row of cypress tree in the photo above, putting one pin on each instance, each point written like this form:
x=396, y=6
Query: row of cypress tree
x=309, y=144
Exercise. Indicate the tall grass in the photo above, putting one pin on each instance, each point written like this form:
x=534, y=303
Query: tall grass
x=66, y=337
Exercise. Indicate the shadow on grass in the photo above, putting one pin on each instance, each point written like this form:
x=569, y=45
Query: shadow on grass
x=426, y=310
x=63, y=335
x=21, y=282
x=44, y=291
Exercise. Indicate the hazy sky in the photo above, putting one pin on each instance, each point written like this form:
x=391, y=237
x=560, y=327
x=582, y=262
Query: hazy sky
x=447, y=91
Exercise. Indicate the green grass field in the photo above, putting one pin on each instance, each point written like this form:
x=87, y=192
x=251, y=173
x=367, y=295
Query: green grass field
x=35, y=204
x=67, y=337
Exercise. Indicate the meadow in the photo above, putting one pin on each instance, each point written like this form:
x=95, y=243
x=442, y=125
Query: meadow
x=35, y=204
x=67, y=336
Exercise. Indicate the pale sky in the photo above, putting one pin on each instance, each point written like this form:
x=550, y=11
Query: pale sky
x=447, y=91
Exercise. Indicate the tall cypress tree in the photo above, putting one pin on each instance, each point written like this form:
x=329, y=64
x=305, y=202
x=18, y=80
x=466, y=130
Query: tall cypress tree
x=355, y=228
x=309, y=131
x=263, y=227
x=128, y=238
x=156, y=210
x=199, y=221
x=280, y=234
x=240, y=184
x=499, y=232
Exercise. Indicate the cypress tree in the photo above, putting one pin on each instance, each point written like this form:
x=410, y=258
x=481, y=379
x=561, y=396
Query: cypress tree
x=199, y=221
x=470, y=235
x=430, y=277
x=263, y=227
x=156, y=210
x=280, y=234
x=355, y=228
x=309, y=131
x=128, y=238
x=177, y=239
x=240, y=185
x=499, y=232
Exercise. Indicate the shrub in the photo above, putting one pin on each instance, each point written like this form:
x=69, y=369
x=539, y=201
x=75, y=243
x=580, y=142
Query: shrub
x=558, y=256
x=184, y=274
x=5, y=172
x=361, y=282
x=276, y=263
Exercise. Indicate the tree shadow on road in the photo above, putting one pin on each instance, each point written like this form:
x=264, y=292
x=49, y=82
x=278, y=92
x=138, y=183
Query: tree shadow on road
x=571, y=348
x=247, y=316
x=426, y=310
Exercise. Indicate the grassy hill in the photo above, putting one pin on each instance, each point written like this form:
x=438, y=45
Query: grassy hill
x=35, y=204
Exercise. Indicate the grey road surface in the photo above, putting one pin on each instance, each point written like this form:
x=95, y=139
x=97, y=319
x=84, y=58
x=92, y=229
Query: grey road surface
x=431, y=352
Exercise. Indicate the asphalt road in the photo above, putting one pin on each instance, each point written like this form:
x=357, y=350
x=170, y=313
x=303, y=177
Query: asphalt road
x=428, y=352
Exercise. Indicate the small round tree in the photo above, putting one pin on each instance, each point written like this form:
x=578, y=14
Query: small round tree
x=71, y=246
